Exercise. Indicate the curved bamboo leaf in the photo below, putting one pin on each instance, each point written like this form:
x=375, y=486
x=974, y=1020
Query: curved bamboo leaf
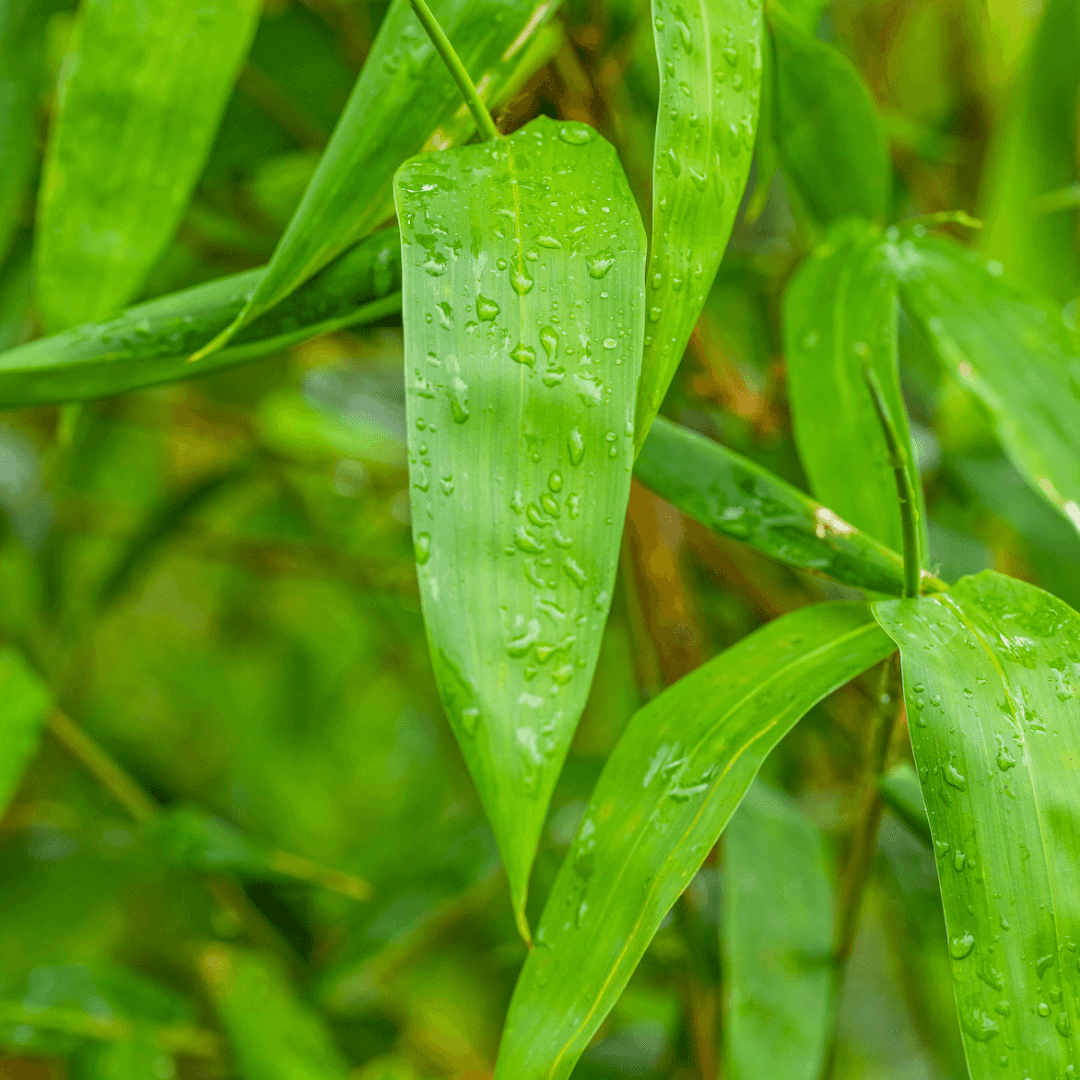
x=523, y=277
x=144, y=87
x=402, y=96
x=150, y=343
x=666, y=793
x=24, y=701
x=840, y=317
x=777, y=940
x=737, y=498
x=992, y=683
x=831, y=143
x=709, y=53
x=1009, y=347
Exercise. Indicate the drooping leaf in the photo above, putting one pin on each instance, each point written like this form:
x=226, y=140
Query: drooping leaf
x=840, y=317
x=902, y=794
x=24, y=701
x=403, y=99
x=776, y=935
x=1010, y=347
x=1033, y=152
x=150, y=343
x=523, y=267
x=992, y=684
x=666, y=793
x=274, y=1035
x=144, y=87
x=832, y=146
x=709, y=56
x=737, y=498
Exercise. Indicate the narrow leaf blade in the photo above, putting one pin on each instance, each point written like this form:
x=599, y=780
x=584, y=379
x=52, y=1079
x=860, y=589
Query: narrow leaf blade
x=992, y=683
x=144, y=88
x=24, y=701
x=666, y=793
x=777, y=940
x=523, y=266
x=709, y=56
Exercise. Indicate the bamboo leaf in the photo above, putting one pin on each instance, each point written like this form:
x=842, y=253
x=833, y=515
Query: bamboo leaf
x=24, y=701
x=737, y=498
x=523, y=267
x=666, y=793
x=150, y=343
x=827, y=127
x=142, y=93
x=709, y=54
x=274, y=1035
x=1010, y=347
x=777, y=940
x=403, y=99
x=840, y=316
x=992, y=683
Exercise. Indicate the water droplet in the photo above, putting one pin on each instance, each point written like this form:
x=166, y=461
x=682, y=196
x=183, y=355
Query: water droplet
x=525, y=636
x=573, y=506
x=658, y=23
x=549, y=339
x=470, y=717
x=961, y=946
x=553, y=376
x=701, y=179
x=673, y=161
x=1043, y=963
x=446, y=315
x=575, y=573
x=958, y=861
x=422, y=547
x=576, y=444
x=979, y=1025
x=1062, y=1025
x=485, y=308
x=610, y=343
x=520, y=280
x=525, y=541
x=600, y=264
x=1044, y=1009
x=576, y=134
x=685, y=37
x=457, y=392
x=524, y=354
x=654, y=314
x=731, y=55
x=953, y=776
x=501, y=264
x=550, y=505
x=555, y=480
x=548, y=242
x=435, y=264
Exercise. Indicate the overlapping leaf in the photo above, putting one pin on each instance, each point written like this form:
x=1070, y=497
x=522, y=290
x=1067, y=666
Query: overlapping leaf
x=523, y=268
x=667, y=791
x=24, y=701
x=777, y=940
x=144, y=87
x=709, y=55
x=992, y=684
x=737, y=498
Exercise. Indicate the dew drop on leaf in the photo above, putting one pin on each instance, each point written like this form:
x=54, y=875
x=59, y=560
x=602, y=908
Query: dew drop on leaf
x=576, y=445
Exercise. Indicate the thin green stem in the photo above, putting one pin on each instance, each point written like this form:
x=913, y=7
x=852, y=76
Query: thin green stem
x=456, y=69
x=905, y=492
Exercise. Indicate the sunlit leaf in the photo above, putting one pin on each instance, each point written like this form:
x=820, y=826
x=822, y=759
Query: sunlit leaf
x=150, y=343
x=776, y=935
x=831, y=143
x=523, y=266
x=710, y=83
x=737, y=498
x=24, y=701
x=992, y=684
x=840, y=318
x=666, y=793
x=143, y=90
x=403, y=99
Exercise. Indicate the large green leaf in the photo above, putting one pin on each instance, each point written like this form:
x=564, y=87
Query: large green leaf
x=737, y=498
x=831, y=143
x=24, y=701
x=150, y=343
x=709, y=55
x=403, y=95
x=776, y=935
x=1033, y=152
x=840, y=316
x=1009, y=347
x=666, y=793
x=992, y=684
x=145, y=83
x=523, y=279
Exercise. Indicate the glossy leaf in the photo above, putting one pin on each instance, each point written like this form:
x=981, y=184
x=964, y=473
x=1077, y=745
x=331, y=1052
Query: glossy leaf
x=274, y=1035
x=143, y=89
x=150, y=343
x=831, y=142
x=840, y=315
x=523, y=267
x=403, y=99
x=901, y=793
x=737, y=498
x=776, y=935
x=24, y=701
x=1011, y=349
x=709, y=56
x=992, y=684
x=666, y=793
